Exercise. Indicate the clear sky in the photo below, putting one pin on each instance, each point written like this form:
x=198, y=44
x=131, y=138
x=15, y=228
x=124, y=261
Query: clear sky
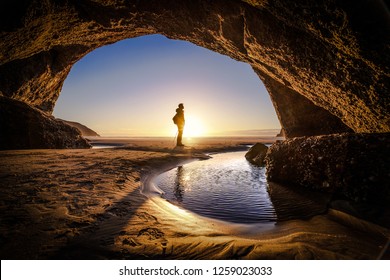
x=133, y=87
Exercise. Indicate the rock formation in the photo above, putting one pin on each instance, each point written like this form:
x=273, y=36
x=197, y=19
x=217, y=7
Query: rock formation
x=256, y=154
x=355, y=166
x=25, y=127
x=281, y=133
x=299, y=116
x=84, y=130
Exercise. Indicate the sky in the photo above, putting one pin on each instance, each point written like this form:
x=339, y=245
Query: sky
x=133, y=87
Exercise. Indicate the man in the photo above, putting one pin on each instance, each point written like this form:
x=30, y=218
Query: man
x=178, y=119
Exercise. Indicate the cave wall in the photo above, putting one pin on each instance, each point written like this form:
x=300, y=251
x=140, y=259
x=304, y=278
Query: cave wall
x=300, y=116
x=319, y=54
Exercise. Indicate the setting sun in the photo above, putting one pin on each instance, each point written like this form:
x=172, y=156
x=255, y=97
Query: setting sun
x=194, y=127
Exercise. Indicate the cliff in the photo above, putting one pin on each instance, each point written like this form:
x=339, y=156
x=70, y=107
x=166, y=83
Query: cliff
x=85, y=131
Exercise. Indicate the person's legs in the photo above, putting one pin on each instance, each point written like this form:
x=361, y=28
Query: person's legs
x=180, y=136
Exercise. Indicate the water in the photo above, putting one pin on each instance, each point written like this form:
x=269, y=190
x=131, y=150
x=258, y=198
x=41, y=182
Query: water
x=103, y=146
x=226, y=187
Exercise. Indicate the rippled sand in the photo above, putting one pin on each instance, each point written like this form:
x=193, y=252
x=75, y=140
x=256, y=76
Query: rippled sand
x=87, y=204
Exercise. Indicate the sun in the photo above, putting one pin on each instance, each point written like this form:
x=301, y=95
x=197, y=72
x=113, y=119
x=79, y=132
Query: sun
x=194, y=127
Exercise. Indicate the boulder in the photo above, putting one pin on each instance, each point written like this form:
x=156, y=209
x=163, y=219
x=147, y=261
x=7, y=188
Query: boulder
x=25, y=127
x=256, y=154
x=351, y=166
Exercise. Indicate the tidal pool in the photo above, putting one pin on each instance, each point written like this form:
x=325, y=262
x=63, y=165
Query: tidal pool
x=225, y=187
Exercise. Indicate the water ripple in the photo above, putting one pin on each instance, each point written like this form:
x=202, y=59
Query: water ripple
x=226, y=187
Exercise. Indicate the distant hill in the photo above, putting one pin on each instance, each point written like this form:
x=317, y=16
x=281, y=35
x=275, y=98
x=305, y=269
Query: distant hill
x=251, y=132
x=85, y=131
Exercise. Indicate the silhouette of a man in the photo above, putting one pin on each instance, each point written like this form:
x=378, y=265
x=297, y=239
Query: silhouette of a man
x=179, y=120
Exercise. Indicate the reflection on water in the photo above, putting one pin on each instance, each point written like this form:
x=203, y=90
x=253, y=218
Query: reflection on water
x=179, y=188
x=226, y=187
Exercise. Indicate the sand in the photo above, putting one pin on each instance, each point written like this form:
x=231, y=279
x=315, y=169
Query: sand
x=102, y=204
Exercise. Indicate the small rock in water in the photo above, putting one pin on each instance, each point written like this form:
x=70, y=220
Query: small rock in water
x=256, y=154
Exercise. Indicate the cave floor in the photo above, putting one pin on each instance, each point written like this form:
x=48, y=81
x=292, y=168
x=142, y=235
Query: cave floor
x=87, y=204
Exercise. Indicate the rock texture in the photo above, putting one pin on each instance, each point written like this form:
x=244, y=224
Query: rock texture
x=24, y=127
x=320, y=54
x=84, y=130
x=354, y=166
x=256, y=154
x=299, y=116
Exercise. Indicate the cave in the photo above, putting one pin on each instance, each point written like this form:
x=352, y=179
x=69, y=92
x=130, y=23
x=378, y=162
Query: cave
x=325, y=65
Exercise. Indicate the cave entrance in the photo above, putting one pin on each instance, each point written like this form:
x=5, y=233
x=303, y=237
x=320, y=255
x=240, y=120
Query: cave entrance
x=317, y=85
x=131, y=88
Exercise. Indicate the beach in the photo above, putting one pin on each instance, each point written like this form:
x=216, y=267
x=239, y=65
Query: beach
x=102, y=204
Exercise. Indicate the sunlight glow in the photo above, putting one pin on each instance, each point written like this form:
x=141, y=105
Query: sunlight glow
x=194, y=127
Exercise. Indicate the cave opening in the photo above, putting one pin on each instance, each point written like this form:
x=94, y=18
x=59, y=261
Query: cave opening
x=131, y=88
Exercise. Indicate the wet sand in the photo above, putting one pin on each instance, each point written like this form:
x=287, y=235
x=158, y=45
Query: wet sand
x=101, y=204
